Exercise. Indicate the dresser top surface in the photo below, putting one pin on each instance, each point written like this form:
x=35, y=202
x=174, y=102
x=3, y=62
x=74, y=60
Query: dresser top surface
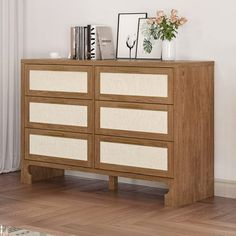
x=118, y=62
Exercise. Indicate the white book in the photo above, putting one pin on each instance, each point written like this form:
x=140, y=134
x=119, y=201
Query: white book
x=105, y=42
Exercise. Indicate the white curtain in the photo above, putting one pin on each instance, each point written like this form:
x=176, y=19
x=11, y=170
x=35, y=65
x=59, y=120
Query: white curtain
x=11, y=32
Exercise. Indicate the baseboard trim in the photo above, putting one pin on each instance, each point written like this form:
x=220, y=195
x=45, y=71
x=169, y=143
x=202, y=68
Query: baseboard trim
x=223, y=188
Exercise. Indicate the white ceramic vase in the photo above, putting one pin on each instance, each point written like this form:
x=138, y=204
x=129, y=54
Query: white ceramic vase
x=168, y=50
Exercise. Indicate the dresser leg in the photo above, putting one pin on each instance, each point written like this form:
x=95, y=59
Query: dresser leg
x=113, y=183
x=30, y=174
x=26, y=177
x=177, y=196
x=172, y=197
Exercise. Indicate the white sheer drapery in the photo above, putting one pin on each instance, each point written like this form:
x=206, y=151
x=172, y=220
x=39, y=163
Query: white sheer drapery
x=11, y=31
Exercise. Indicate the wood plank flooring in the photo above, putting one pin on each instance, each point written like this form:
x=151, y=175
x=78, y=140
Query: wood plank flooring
x=84, y=207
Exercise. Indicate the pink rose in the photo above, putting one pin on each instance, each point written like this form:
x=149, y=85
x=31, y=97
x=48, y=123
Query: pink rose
x=160, y=14
x=174, y=12
x=151, y=21
x=159, y=20
x=173, y=19
x=182, y=20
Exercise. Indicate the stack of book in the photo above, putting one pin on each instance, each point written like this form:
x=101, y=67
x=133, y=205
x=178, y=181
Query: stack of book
x=92, y=42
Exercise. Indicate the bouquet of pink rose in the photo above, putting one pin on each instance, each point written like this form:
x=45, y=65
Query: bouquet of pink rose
x=162, y=27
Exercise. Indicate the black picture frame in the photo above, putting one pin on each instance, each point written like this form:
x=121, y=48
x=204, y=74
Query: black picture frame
x=127, y=29
x=156, y=44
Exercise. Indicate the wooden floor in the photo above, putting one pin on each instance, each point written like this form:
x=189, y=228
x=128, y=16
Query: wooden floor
x=83, y=207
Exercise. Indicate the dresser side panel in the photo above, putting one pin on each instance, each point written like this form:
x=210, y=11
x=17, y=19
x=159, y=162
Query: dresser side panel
x=193, y=133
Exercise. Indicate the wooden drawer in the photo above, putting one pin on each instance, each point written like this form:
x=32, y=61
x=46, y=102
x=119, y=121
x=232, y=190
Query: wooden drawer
x=134, y=120
x=59, y=114
x=59, y=147
x=134, y=155
x=59, y=81
x=151, y=85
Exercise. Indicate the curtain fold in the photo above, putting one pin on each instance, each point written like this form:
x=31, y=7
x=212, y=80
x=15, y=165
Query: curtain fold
x=11, y=46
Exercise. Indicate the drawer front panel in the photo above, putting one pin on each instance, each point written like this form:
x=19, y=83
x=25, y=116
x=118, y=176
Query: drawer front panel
x=136, y=156
x=134, y=120
x=60, y=81
x=67, y=81
x=64, y=148
x=138, y=84
x=59, y=114
x=58, y=147
x=132, y=84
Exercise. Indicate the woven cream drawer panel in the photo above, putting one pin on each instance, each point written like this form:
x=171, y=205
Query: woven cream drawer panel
x=137, y=156
x=61, y=114
x=134, y=120
x=67, y=81
x=59, y=147
x=135, y=84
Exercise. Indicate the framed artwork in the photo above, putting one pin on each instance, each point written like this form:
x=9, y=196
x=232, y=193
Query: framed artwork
x=127, y=34
x=147, y=47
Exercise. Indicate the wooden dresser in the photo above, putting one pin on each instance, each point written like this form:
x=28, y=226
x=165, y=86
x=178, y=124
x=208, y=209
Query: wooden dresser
x=150, y=120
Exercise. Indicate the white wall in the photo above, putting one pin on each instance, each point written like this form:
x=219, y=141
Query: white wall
x=210, y=34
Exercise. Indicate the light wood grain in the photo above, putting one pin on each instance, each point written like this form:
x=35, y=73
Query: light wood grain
x=194, y=149
x=40, y=173
x=119, y=62
x=76, y=206
x=31, y=174
x=190, y=138
x=113, y=183
x=54, y=165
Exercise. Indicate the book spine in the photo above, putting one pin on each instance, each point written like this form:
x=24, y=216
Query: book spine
x=97, y=44
x=73, y=43
x=79, y=42
x=88, y=42
x=76, y=42
x=85, y=43
x=93, y=42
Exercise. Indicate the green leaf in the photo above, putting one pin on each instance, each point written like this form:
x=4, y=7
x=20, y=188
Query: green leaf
x=147, y=45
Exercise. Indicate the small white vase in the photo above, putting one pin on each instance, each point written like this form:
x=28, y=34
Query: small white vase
x=168, y=50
